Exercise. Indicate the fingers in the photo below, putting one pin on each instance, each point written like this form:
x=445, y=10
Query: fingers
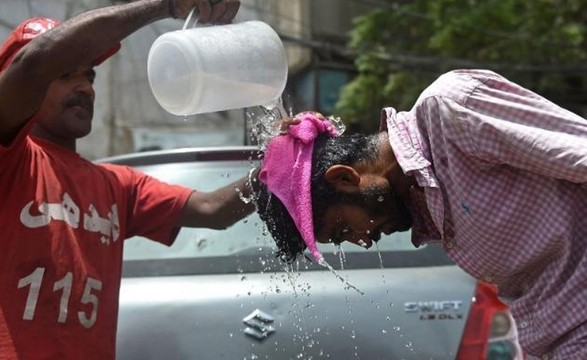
x=209, y=11
x=285, y=123
x=232, y=7
x=218, y=11
x=314, y=113
x=204, y=11
x=181, y=8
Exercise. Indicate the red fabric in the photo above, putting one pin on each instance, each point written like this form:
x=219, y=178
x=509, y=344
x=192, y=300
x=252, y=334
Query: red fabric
x=63, y=223
x=7, y=351
x=30, y=29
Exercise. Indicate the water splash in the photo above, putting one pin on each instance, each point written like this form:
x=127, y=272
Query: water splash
x=252, y=198
x=263, y=122
x=243, y=197
x=338, y=124
x=304, y=336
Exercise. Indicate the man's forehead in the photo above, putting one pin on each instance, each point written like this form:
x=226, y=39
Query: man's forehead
x=86, y=70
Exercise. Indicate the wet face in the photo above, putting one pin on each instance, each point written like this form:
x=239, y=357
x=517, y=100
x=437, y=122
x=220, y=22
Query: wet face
x=67, y=110
x=363, y=221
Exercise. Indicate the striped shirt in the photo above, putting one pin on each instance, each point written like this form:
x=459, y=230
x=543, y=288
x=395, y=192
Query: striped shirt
x=502, y=176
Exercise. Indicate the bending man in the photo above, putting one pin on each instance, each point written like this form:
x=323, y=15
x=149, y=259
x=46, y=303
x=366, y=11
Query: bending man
x=492, y=171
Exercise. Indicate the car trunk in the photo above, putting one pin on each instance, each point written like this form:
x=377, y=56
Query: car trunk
x=402, y=313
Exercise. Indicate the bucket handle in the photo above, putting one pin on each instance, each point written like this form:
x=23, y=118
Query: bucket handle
x=187, y=20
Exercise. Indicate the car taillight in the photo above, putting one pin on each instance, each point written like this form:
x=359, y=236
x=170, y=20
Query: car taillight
x=490, y=332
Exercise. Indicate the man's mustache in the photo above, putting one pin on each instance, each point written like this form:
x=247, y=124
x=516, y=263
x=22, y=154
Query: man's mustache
x=81, y=100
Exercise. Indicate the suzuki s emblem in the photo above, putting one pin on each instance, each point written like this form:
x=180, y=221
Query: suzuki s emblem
x=260, y=324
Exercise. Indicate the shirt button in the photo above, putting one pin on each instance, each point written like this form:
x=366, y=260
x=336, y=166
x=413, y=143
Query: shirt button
x=487, y=279
x=524, y=325
x=450, y=245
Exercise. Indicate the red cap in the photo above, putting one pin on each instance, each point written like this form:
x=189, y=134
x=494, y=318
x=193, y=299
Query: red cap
x=30, y=29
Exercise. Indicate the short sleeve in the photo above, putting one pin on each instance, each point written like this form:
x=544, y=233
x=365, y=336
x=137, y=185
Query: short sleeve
x=153, y=206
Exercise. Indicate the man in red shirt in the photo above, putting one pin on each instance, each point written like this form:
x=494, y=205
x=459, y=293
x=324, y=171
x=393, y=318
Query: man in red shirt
x=63, y=218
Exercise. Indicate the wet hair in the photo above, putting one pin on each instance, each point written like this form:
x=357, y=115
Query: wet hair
x=328, y=151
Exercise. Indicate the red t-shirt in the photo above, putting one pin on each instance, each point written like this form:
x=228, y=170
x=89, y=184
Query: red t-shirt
x=63, y=222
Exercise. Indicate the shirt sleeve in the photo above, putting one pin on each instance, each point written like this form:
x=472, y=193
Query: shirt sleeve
x=153, y=206
x=17, y=142
x=503, y=123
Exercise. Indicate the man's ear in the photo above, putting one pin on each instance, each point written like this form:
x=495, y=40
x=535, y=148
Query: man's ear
x=343, y=178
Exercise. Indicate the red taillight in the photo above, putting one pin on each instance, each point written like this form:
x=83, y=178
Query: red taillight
x=474, y=343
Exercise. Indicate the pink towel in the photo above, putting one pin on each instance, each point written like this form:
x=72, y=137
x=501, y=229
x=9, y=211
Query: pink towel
x=286, y=171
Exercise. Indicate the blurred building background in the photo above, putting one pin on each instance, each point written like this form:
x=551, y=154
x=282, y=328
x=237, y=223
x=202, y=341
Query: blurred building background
x=384, y=58
x=127, y=116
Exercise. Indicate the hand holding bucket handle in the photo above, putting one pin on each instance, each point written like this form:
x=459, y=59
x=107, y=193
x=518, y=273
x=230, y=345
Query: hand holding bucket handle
x=187, y=19
x=209, y=11
x=203, y=69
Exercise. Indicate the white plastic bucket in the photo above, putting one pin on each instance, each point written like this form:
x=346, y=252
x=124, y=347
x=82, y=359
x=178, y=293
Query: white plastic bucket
x=215, y=68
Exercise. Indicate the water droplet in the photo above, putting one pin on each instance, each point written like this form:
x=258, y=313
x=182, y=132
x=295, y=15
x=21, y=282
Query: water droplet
x=338, y=124
x=323, y=263
x=380, y=258
x=201, y=244
x=263, y=123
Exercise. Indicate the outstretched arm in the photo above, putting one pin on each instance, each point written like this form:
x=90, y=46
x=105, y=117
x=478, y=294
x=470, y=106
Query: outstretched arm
x=221, y=208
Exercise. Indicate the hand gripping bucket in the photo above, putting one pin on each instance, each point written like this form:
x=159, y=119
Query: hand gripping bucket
x=215, y=68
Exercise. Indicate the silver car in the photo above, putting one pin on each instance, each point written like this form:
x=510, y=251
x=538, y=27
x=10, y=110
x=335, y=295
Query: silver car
x=224, y=295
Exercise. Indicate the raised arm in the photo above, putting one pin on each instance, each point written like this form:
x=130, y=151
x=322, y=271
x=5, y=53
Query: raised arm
x=78, y=42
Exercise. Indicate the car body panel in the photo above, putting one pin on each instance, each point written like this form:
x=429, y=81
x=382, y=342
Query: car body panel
x=191, y=300
x=315, y=315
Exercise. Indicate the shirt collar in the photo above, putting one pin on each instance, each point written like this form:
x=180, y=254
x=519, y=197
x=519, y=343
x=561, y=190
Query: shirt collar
x=406, y=142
